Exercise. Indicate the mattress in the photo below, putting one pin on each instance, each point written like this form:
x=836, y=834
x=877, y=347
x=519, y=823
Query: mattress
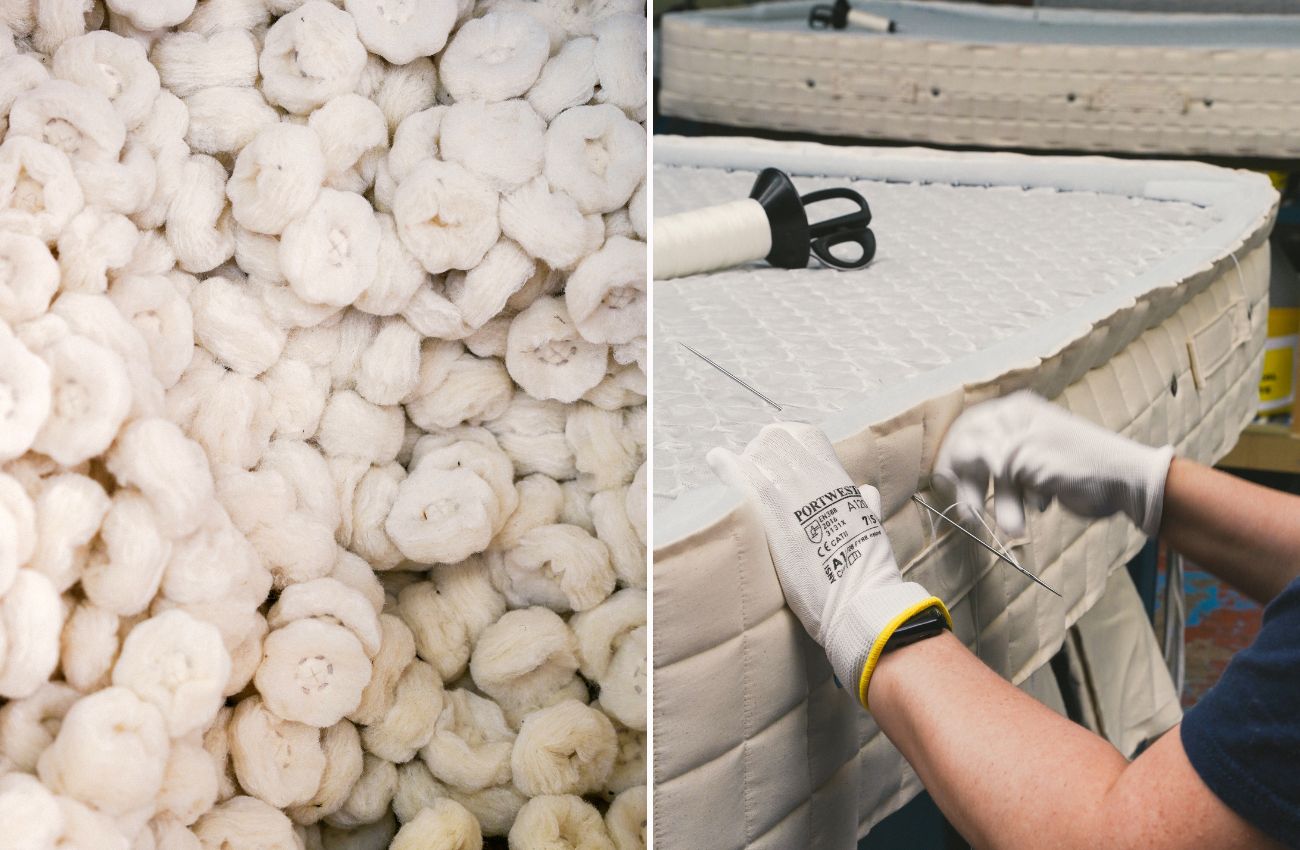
x=969, y=74
x=1133, y=293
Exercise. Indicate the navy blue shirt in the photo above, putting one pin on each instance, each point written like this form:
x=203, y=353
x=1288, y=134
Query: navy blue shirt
x=1243, y=737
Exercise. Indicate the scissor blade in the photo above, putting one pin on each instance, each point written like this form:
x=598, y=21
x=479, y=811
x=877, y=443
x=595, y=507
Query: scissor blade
x=1001, y=557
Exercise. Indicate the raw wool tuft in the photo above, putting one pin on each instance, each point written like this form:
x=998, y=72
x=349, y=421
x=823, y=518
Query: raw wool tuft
x=321, y=391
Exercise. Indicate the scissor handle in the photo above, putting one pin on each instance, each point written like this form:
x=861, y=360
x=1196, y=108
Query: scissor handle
x=863, y=237
x=820, y=17
x=829, y=17
x=859, y=218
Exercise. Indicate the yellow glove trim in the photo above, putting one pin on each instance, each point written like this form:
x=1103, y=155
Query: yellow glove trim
x=878, y=646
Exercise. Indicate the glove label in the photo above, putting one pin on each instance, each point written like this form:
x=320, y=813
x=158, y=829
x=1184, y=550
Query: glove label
x=836, y=523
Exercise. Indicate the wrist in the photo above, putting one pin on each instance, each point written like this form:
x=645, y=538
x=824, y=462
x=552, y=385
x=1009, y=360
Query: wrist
x=858, y=639
x=1151, y=500
x=900, y=671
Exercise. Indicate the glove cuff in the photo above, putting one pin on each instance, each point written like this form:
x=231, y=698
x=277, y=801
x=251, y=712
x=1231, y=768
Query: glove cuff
x=1157, y=472
x=857, y=639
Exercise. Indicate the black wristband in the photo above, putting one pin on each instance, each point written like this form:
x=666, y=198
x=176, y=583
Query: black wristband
x=918, y=627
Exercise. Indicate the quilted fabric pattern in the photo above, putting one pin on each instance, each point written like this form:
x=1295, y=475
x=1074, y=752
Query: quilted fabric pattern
x=966, y=74
x=958, y=268
x=755, y=746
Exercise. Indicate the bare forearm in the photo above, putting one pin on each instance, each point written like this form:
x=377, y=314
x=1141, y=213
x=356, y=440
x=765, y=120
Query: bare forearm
x=1009, y=772
x=1005, y=769
x=1247, y=535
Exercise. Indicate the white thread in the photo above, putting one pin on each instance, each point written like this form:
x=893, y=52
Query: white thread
x=868, y=21
x=711, y=238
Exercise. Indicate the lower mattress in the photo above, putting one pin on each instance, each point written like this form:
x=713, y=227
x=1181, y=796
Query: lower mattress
x=994, y=76
x=755, y=746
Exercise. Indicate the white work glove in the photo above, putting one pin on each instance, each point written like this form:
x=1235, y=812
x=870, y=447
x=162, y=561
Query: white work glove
x=826, y=539
x=1029, y=446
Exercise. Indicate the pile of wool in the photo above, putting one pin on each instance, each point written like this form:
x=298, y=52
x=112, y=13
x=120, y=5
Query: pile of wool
x=322, y=424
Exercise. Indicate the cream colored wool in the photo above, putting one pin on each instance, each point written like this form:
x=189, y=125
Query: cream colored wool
x=198, y=219
x=495, y=57
x=264, y=384
x=396, y=652
x=278, y=761
x=471, y=744
x=500, y=142
x=349, y=126
x=310, y=55
x=622, y=83
x=446, y=825
x=111, y=732
x=115, y=67
x=125, y=565
x=592, y=152
x=276, y=177
x=564, y=820
x=606, y=294
x=231, y=323
x=88, y=647
x=447, y=614
x=540, y=502
x=78, y=121
x=626, y=819
x=481, y=293
x=454, y=387
x=29, y=277
x=371, y=794
x=559, y=566
x=547, y=224
x=39, y=192
x=330, y=254
x=190, y=62
x=525, y=660
x=568, y=79
x=548, y=357
x=224, y=119
x=28, y=725
x=343, y=767
x=568, y=748
x=33, y=620
x=446, y=216
x=409, y=723
x=531, y=433
x=245, y=822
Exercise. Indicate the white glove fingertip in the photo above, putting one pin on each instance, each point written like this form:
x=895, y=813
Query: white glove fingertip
x=1008, y=509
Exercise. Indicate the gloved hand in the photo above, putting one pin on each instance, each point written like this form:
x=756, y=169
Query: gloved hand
x=835, y=565
x=1029, y=446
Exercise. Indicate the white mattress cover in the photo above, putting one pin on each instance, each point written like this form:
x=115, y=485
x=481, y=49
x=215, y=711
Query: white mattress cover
x=1008, y=76
x=800, y=764
x=1238, y=203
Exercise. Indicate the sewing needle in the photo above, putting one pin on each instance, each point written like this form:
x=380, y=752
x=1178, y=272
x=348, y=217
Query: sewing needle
x=729, y=375
x=916, y=498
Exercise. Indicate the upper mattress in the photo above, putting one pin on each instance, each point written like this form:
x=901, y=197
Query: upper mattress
x=972, y=74
x=983, y=263
x=1142, y=306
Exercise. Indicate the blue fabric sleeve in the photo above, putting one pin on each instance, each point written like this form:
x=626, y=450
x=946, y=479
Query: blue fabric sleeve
x=1243, y=737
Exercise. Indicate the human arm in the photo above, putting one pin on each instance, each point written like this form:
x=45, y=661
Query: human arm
x=1009, y=772
x=1247, y=535
x=1032, y=449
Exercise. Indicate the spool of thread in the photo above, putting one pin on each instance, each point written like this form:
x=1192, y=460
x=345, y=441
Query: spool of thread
x=841, y=15
x=711, y=238
x=772, y=225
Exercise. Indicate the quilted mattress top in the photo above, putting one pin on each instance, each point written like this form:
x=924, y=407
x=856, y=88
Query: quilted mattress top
x=984, y=262
x=982, y=24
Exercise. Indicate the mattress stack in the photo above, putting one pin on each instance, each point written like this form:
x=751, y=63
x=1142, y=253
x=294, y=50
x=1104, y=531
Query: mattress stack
x=1007, y=77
